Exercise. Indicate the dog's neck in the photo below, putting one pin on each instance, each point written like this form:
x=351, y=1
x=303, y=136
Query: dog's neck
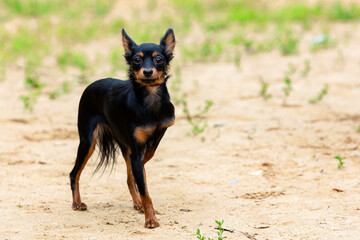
x=151, y=97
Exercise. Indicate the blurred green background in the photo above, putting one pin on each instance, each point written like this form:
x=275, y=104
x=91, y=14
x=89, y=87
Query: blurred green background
x=58, y=36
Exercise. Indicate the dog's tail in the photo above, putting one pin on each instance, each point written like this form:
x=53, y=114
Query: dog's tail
x=107, y=147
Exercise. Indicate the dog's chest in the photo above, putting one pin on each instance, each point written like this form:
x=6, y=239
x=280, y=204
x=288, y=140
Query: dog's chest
x=153, y=100
x=143, y=133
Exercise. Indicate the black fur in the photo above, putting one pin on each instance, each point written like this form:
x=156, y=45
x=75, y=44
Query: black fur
x=132, y=115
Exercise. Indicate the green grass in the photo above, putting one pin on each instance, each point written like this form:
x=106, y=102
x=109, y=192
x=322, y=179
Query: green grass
x=320, y=95
x=228, y=29
x=32, y=83
x=322, y=41
x=340, y=161
x=287, y=89
x=288, y=42
x=205, y=51
x=116, y=59
x=33, y=8
x=66, y=88
x=30, y=99
x=264, y=90
x=72, y=58
x=307, y=68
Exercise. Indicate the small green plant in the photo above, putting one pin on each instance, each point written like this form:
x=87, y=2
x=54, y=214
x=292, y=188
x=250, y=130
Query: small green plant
x=340, y=161
x=197, y=121
x=320, y=95
x=221, y=230
x=30, y=99
x=33, y=84
x=264, y=88
x=322, y=41
x=288, y=42
x=358, y=129
x=175, y=87
x=65, y=89
x=253, y=47
x=287, y=88
x=307, y=68
x=219, y=233
x=237, y=59
x=291, y=69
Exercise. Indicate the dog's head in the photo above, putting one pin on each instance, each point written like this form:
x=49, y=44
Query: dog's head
x=149, y=62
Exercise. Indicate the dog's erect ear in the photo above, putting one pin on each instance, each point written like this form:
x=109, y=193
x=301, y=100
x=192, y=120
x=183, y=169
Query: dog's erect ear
x=128, y=43
x=168, y=41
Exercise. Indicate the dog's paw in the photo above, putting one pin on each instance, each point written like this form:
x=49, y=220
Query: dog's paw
x=151, y=222
x=137, y=203
x=79, y=207
x=137, y=206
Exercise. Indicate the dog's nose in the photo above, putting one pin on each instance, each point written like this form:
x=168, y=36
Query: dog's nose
x=148, y=72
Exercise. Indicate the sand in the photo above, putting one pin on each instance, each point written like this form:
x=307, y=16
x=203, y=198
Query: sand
x=265, y=168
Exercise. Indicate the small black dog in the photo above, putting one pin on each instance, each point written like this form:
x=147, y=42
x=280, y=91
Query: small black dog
x=132, y=115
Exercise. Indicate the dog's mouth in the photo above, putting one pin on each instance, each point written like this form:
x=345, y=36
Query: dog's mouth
x=152, y=82
x=148, y=80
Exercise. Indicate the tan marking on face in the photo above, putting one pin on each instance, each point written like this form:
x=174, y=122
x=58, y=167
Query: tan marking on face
x=140, y=54
x=158, y=76
x=139, y=75
x=155, y=54
x=142, y=134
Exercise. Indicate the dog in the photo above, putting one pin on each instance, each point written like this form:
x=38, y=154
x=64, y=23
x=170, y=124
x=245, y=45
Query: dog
x=130, y=115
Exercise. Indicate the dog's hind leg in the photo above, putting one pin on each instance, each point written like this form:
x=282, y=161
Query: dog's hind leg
x=85, y=150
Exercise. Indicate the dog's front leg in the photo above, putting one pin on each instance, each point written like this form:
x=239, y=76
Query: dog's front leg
x=138, y=170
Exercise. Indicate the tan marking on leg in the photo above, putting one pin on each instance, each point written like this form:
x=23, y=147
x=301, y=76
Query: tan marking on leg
x=150, y=218
x=148, y=156
x=131, y=183
x=142, y=134
x=77, y=204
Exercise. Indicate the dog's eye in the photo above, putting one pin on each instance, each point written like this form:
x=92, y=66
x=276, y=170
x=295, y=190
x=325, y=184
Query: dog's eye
x=159, y=60
x=137, y=60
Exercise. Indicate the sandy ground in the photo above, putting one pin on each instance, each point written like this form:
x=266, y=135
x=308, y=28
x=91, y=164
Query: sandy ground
x=266, y=169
